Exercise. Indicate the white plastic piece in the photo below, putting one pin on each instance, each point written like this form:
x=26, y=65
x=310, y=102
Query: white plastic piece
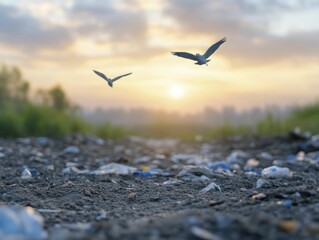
x=275, y=172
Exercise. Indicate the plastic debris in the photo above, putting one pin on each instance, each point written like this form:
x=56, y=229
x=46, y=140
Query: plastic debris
x=145, y=173
x=21, y=223
x=203, y=234
x=275, y=172
x=219, y=165
x=25, y=173
x=115, y=168
x=71, y=150
x=211, y=186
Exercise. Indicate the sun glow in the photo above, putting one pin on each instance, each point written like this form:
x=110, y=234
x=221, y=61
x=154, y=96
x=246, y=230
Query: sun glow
x=176, y=91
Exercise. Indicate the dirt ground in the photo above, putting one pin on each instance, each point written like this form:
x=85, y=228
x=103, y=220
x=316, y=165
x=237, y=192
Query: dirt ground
x=167, y=203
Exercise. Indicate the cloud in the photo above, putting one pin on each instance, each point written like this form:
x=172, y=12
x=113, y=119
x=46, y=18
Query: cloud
x=246, y=23
x=105, y=18
x=21, y=30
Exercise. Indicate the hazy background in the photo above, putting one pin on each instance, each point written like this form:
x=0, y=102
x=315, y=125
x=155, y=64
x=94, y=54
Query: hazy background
x=271, y=56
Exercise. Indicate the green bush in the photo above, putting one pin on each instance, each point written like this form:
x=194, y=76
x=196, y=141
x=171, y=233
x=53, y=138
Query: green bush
x=11, y=125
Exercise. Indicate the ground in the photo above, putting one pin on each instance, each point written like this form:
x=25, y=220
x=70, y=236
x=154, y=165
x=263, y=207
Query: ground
x=78, y=204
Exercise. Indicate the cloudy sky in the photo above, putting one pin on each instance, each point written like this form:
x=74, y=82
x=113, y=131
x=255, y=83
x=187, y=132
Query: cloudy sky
x=271, y=55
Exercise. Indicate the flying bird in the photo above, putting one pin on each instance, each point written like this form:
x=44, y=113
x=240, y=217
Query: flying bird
x=109, y=80
x=201, y=59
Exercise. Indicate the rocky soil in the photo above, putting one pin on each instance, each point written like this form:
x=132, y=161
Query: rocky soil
x=88, y=188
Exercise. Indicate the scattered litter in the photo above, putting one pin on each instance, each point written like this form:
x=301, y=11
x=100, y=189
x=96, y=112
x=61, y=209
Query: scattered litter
x=21, y=223
x=115, y=168
x=211, y=186
x=275, y=172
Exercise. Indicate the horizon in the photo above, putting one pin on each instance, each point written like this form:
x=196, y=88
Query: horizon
x=270, y=56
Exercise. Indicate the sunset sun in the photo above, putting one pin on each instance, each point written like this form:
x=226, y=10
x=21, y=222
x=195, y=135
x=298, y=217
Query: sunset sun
x=176, y=91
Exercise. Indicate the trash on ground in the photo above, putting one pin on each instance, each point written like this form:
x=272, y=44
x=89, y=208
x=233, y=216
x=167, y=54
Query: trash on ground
x=275, y=172
x=21, y=223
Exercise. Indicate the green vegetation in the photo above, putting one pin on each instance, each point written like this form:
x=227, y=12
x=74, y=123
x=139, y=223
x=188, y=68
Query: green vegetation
x=53, y=116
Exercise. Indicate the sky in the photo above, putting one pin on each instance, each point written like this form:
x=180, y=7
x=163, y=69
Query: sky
x=271, y=56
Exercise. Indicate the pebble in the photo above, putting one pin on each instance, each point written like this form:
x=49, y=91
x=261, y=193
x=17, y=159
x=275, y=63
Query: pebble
x=260, y=182
x=289, y=226
x=258, y=196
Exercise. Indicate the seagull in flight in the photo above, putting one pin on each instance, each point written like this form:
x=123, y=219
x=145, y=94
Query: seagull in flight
x=109, y=80
x=201, y=59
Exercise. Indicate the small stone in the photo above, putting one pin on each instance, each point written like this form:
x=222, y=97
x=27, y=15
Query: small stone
x=2, y=155
x=289, y=226
x=87, y=192
x=211, y=186
x=132, y=196
x=214, y=203
x=260, y=182
x=72, y=150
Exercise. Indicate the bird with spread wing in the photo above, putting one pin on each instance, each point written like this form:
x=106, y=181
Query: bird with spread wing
x=110, y=81
x=201, y=59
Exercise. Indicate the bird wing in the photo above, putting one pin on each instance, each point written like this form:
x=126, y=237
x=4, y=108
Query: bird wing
x=102, y=75
x=213, y=48
x=185, y=55
x=118, y=77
